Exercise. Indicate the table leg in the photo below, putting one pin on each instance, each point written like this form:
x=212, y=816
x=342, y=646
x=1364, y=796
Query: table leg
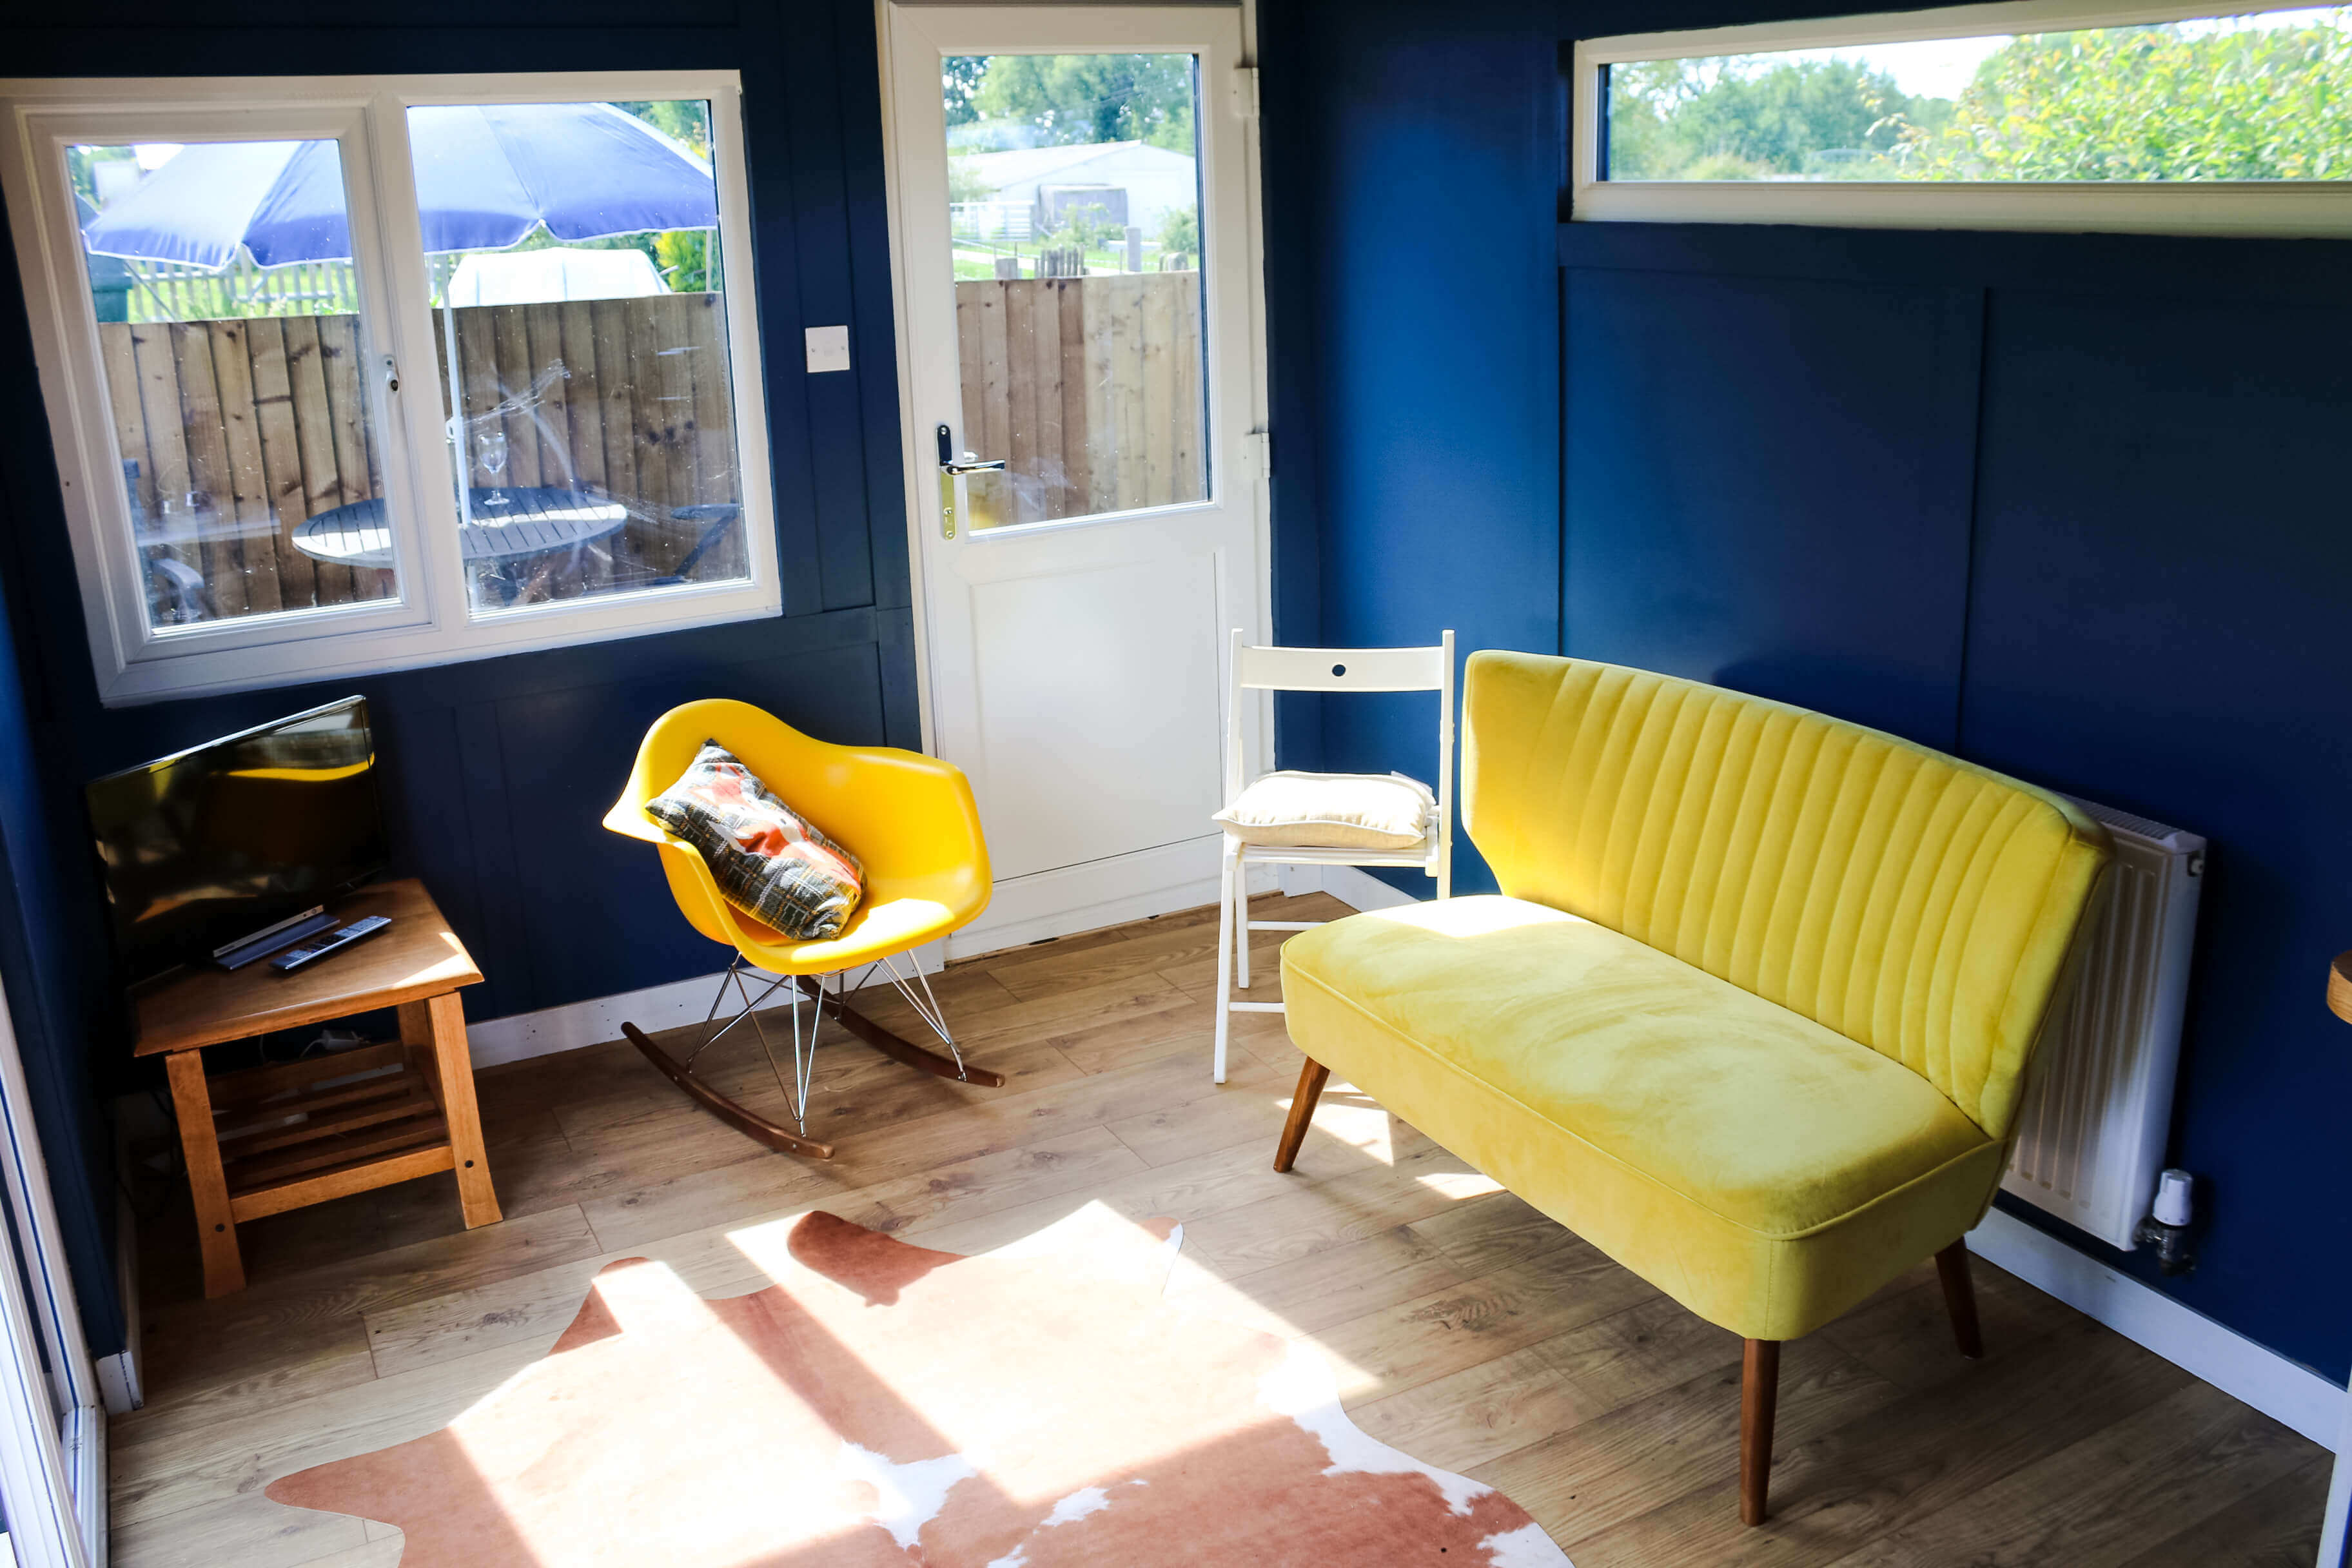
x=416, y=1034
x=475, y=1195
x=200, y=1142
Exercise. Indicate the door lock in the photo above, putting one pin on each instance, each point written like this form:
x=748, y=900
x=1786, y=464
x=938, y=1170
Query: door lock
x=949, y=467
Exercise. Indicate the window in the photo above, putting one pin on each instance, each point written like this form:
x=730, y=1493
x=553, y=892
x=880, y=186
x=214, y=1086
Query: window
x=363, y=372
x=2029, y=115
x=1073, y=239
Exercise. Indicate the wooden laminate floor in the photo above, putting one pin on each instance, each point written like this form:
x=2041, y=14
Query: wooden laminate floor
x=1465, y=1328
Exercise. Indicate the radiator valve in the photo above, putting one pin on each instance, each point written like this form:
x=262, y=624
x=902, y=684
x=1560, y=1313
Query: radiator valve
x=2167, y=1229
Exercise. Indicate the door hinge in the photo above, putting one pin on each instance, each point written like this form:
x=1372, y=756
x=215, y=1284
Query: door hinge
x=1259, y=445
x=1246, y=91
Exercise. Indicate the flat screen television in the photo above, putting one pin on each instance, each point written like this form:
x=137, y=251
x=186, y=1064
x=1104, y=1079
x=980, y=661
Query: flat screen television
x=212, y=844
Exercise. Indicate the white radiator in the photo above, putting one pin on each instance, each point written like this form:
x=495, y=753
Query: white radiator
x=2091, y=1132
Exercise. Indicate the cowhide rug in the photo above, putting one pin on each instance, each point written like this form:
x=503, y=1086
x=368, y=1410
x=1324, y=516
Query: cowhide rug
x=1041, y=1407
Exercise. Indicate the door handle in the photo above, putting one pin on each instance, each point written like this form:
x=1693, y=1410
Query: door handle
x=949, y=467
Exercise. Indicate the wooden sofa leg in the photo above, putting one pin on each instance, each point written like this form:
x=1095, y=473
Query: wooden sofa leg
x=1960, y=1298
x=1760, y=1390
x=1311, y=1079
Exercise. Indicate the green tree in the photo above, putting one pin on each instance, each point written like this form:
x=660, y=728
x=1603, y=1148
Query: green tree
x=964, y=183
x=1180, y=232
x=1742, y=119
x=2150, y=103
x=1065, y=99
x=686, y=120
x=959, y=79
x=688, y=258
x=1084, y=228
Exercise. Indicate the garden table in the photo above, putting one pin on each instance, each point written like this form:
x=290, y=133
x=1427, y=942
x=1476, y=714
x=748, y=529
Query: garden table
x=510, y=522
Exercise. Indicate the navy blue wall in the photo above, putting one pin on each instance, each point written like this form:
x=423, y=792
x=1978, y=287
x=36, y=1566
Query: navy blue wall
x=1412, y=162
x=498, y=770
x=37, y=947
x=2069, y=505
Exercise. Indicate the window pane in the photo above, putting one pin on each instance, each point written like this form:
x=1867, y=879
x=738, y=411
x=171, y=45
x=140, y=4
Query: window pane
x=1073, y=193
x=234, y=356
x=580, y=309
x=2265, y=97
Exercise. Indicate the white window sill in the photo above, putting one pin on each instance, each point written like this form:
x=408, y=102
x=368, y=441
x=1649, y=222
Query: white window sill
x=215, y=671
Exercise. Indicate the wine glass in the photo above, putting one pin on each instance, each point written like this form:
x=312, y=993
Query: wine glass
x=490, y=451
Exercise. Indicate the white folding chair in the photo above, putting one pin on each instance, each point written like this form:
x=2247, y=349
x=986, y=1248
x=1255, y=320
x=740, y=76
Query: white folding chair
x=1324, y=670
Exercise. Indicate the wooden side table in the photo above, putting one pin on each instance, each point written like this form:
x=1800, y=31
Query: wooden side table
x=269, y=1139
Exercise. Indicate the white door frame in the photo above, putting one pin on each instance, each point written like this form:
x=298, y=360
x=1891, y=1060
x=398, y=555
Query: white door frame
x=1238, y=97
x=2336, y=1523
x=52, y=1470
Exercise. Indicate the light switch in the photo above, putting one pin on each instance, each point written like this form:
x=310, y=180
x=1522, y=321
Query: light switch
x=829, y=349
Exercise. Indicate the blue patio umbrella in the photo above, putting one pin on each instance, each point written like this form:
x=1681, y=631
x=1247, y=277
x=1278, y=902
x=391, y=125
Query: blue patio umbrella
x=485, y=176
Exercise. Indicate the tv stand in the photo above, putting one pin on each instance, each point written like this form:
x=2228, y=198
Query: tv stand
x=269, y=1139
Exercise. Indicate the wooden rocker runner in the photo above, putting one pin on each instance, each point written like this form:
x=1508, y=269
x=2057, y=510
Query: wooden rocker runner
x=914, y=826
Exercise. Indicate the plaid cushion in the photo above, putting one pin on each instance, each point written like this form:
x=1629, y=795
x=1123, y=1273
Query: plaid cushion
x=769, y=860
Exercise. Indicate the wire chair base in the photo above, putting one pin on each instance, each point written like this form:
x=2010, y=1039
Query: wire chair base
x=824, y=1004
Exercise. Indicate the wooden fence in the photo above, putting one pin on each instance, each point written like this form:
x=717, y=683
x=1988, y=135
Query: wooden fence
x=234, y=432
x=1089, y=387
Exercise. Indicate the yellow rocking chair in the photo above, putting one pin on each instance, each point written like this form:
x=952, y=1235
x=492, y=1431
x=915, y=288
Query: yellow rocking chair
x=912, y=823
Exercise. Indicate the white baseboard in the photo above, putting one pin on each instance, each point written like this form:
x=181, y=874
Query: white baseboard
x=590, y=1023
x=993, y=935
x=1073, y=898
x=599, y=1019
x=118, y=1383
x=119, y=1387
x=2286, y=1391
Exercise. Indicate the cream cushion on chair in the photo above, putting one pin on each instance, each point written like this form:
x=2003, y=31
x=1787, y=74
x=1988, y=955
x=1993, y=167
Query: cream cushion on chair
x=1332, y=811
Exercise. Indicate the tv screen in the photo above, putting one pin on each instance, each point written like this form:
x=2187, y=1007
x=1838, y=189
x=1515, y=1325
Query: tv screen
x=210, y=845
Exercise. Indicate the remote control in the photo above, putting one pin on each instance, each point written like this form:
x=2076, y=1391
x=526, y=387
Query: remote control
x=310, y=953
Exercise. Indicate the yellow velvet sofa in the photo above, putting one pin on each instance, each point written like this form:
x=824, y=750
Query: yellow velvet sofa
x=1753, y=1011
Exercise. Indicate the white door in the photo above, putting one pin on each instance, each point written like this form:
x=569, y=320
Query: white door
x=1073, y=218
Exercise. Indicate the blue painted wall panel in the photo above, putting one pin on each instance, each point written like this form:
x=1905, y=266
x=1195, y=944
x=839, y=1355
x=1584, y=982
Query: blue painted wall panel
x=2162, y=620
x=1767, y=486
x=1417, y=158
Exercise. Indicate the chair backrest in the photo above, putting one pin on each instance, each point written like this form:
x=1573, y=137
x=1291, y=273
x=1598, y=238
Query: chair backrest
x=910, y=819
x=1915, y=903
x=1259, y=669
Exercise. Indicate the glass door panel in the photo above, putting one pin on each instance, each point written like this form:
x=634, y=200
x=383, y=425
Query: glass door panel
x=1073, y=218
x=234, y=350
x=581, y=328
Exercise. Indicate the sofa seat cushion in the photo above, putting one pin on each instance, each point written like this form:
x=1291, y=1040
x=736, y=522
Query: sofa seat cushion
x=1755, y=1165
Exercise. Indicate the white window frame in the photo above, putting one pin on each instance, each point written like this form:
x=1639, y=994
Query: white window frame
x=2303, y=208
x=430, y=621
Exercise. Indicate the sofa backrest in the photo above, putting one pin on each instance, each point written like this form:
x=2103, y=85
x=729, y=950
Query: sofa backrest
x=1911, y=902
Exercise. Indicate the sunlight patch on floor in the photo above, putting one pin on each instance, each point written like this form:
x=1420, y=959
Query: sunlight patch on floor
x=1362, y=1126
x=1460, y=1184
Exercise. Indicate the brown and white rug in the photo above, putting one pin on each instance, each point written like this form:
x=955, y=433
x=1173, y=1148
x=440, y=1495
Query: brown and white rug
x=882, y=1405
